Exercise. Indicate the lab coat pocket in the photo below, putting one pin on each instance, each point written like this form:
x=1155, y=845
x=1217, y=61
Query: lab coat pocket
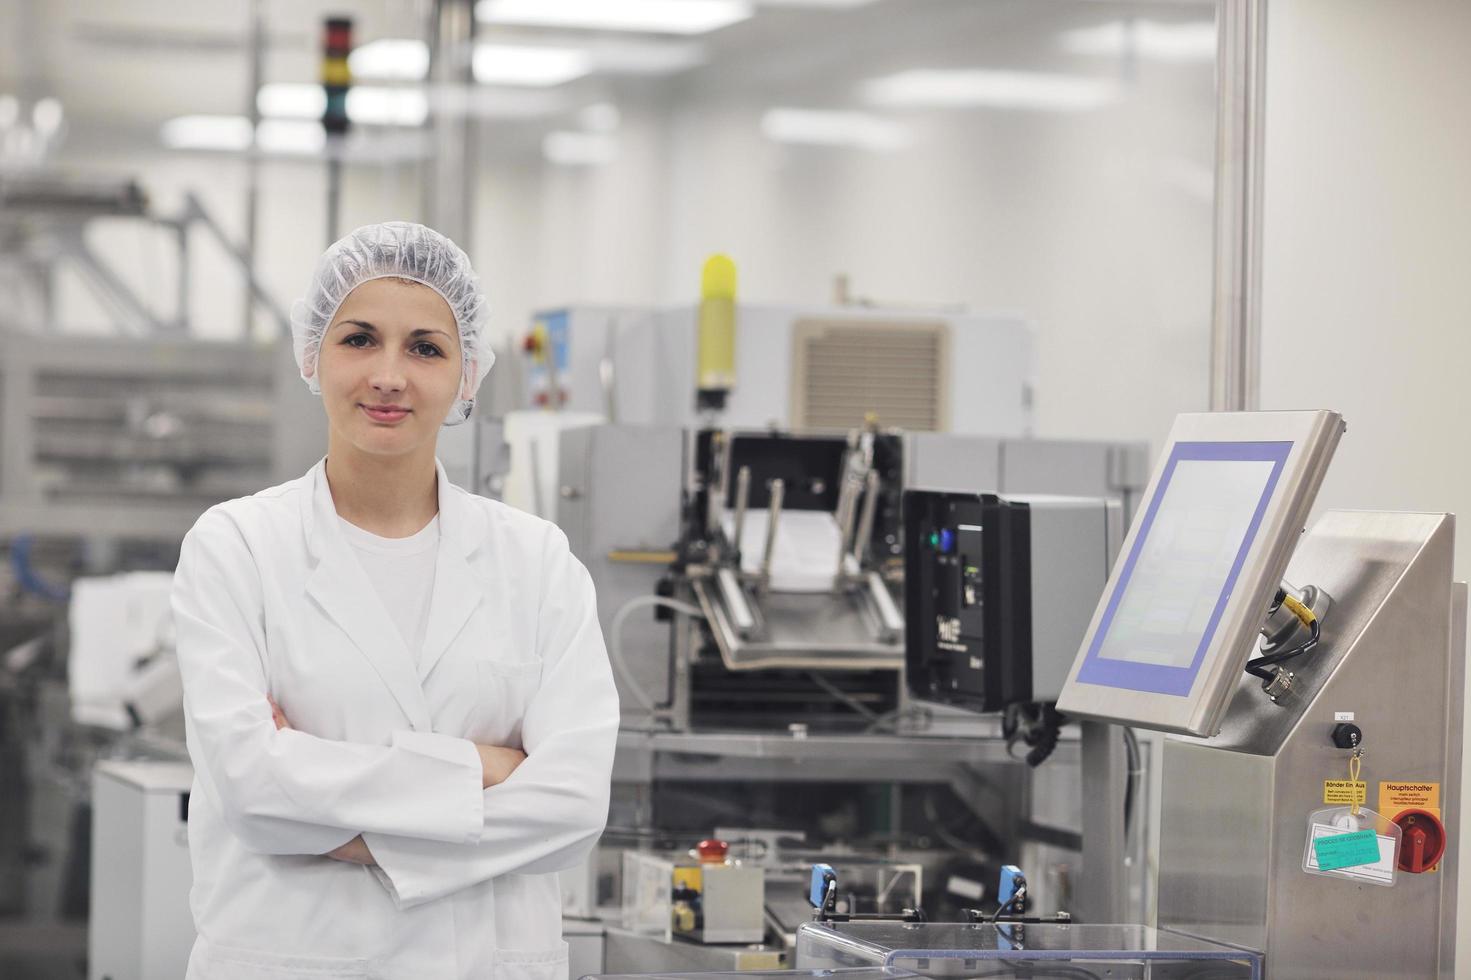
x=505, y=689
x=217, y=962
x=521, y=964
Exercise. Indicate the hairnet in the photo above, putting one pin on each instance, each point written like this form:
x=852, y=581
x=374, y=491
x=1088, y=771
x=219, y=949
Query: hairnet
x=395, y=249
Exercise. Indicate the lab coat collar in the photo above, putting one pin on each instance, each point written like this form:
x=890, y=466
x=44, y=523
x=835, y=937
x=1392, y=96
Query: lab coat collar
x=341, y=587
x=457, y=589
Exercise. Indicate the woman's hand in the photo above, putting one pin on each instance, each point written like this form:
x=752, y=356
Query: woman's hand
x=354, y=851
x=497, y=763
x=277, y=715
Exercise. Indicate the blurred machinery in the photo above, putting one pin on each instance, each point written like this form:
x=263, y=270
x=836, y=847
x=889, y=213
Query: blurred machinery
x=112, y=447
x=44, y=219
x=116, y=438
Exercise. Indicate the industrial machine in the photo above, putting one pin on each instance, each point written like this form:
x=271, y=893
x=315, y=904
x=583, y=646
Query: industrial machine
x=733, y=477
x=1271, y=837
x=1281, y=662
x=1310, y=683
x=794, y=570
x=777, y=687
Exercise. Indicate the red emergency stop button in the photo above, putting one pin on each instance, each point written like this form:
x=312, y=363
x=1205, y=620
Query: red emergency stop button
x=712, y=851
x=1423, y=844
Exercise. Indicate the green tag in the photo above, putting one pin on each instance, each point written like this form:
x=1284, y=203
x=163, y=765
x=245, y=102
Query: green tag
x=1347, y=850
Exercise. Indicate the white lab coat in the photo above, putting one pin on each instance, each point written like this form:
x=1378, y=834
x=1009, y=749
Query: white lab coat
x=269, y=598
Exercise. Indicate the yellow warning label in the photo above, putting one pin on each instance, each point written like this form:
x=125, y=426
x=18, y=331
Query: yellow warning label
x=1345, y=792
x=1397, y=796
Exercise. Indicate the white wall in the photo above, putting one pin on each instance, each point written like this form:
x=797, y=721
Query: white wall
x=1367, y=253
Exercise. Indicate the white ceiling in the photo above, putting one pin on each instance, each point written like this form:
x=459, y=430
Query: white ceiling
x=128, y=65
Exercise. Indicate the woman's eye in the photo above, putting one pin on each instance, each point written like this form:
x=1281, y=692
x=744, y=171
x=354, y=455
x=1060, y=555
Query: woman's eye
x=426, y=349
x=358, y=340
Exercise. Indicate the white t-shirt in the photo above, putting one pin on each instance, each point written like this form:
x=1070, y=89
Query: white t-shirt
x=402, y=573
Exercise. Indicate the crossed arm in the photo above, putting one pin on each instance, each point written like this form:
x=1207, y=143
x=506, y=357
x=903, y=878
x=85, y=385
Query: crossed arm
x=496, y=764
x=435, y=813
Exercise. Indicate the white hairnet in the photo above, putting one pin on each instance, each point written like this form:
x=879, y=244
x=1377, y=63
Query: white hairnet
x=395, y=249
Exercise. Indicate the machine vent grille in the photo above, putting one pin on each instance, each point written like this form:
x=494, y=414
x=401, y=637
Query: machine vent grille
x=845, y=369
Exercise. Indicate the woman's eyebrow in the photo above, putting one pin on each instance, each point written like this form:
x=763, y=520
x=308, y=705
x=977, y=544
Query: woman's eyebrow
x=365, y=325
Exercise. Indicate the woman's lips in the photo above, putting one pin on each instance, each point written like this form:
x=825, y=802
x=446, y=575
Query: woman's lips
x=387, y=415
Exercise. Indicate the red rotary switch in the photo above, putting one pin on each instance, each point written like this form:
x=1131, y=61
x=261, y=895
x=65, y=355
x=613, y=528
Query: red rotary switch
x=1424, y=840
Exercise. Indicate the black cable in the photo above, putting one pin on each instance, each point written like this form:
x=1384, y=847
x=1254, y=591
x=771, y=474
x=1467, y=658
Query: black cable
x=1258, y=667
x=1131, y=748
x=1020, y=895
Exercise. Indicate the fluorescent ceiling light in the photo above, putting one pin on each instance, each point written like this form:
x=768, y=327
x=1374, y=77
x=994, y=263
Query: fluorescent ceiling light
x=404, y=59
x=391, y=59
x=206, y=133
x=297, y=136
x=819, y=127
x=653, y=16
x=636, y=56
x=819, y=4
x=514, y=64
x=575, y=149
x=291, y=100
x=934, y=88
x=387, y=106
x=368, y=105
x=1189, y=41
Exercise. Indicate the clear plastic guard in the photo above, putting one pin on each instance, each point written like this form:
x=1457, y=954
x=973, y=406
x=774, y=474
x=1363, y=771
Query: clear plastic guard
x=1335, y=833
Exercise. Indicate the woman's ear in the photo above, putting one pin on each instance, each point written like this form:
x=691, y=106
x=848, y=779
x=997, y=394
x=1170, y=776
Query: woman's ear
x=467, y=382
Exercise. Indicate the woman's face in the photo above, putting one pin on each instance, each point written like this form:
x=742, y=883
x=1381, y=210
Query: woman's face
x=390, y=367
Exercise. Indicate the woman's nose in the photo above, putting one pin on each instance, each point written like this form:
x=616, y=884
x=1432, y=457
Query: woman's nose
x=387, y=375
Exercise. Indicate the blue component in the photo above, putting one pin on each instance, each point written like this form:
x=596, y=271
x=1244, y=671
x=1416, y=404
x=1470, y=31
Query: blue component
x=947, y=540
x=821, y=875
x=1012, y=880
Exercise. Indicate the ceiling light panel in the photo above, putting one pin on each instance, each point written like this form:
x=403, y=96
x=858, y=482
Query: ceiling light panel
x=934, y=88
x=822, y=127
x=651, y=16
x=368, y=105
x=515, y=64
x=390, y=59
x=206, y=133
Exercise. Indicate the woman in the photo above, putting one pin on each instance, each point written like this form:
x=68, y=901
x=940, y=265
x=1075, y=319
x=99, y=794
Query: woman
x=399, y=706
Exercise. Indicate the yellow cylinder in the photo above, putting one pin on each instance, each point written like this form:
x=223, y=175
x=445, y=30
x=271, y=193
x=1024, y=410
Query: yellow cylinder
x=715, y=365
